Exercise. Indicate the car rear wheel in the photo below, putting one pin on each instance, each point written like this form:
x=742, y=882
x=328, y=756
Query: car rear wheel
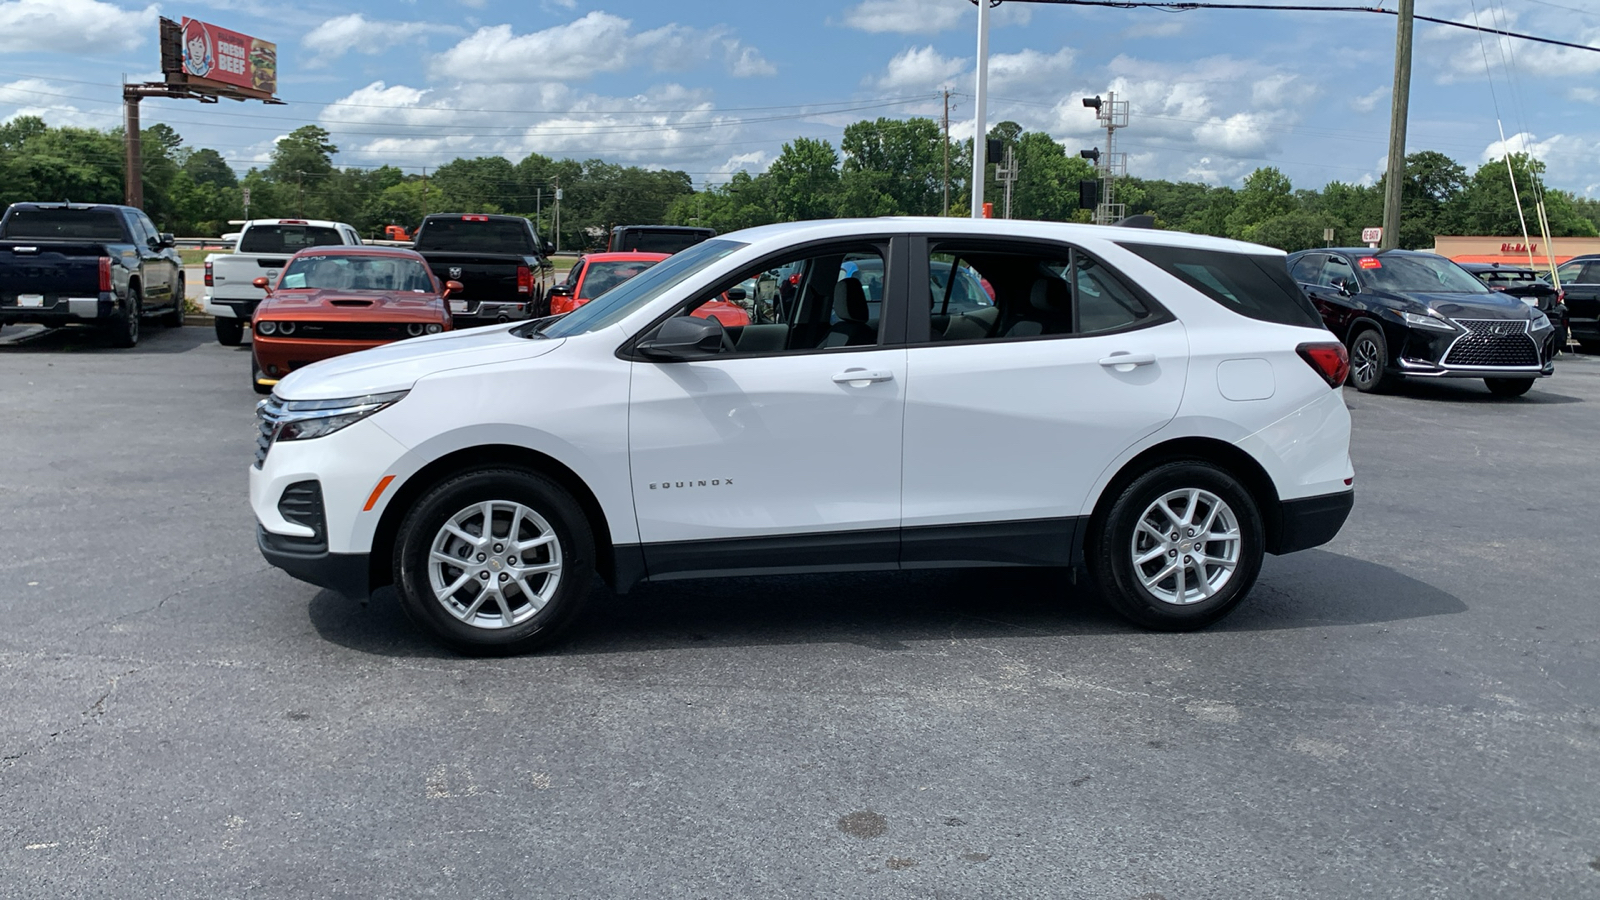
x=230, y=332
x=497, y=561
x=1179, y=548
x=1369, y=361
x=1508, y=387
x=124, y=328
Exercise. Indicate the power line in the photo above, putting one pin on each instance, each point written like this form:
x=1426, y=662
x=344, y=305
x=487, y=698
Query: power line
x=1185, y=6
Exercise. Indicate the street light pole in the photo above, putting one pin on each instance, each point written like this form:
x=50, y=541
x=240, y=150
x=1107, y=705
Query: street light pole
x=979, y=131
x=1395, y=176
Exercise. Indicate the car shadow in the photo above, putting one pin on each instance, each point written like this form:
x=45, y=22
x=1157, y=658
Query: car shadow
x=153, y=339
x=891, y=611
x=1471, y=391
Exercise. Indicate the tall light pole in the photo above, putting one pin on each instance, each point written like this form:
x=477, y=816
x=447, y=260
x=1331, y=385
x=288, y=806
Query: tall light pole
x=979, y=129
x=1396, y=175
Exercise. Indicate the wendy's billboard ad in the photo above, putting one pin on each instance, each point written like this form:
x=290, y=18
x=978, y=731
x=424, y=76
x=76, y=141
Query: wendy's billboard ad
x=219, y=54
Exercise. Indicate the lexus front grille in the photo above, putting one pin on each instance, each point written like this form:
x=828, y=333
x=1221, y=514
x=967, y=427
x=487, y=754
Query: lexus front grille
x=1493, y=343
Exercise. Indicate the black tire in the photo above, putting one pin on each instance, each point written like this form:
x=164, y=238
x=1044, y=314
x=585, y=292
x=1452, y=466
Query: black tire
x=255, y=378
x=573, y=548
x=230, y=332
x=1376, y=378
x=1112, y=548
x=124, y=327
x=174, y=317
x=1509, y=387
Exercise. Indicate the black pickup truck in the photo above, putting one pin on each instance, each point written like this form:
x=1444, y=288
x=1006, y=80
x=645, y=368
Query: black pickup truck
x=90, y=264
x=1580, y=289
x=503, y=266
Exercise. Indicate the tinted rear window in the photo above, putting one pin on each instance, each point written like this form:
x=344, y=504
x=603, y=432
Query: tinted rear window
x=286, y=238
x=65, y=224
x=1254, y=286
x=659, y=241
x=452, y=235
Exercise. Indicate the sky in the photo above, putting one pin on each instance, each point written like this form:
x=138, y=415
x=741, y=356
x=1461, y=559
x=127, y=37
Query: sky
x=712, y=87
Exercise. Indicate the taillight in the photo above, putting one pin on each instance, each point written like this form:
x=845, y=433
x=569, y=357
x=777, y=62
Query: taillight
x=1331, y=360
x=1561, y=297
x=105, y=273
x=208, y=273
x=524, y=280
x=474, y=218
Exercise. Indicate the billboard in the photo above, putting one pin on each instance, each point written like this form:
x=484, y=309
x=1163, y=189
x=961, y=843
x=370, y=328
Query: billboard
x=220, y=56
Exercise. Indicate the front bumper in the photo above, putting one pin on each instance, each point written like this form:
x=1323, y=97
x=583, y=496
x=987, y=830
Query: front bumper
x=1311, y=521
x=277, y=357
x=59, y=310
x=347, y=573
x=1432, y=353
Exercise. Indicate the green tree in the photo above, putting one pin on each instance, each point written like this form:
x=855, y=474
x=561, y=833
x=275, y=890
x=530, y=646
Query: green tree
x=1266, y=194
x=803, y=182
x=1487, y=204
x=903, y=162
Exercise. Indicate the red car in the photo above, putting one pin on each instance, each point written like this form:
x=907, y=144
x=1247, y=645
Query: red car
x=596, y=273
x=335, y=300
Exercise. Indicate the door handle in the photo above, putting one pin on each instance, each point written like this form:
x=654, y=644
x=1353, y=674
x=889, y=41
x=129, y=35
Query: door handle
x=1117, y=360
x=851, y=376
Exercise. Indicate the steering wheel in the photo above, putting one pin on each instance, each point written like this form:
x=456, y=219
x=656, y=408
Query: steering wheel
x=727, y=341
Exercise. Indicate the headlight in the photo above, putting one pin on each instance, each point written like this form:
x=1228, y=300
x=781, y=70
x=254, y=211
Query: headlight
x=267, y=327
x=1433, y=320
x=302, y=420
x=434, y=327
x=1540, y=321
x=414, y=329
x=286, y=328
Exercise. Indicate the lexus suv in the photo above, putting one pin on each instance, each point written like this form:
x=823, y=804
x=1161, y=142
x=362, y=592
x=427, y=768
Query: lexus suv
x=1408, y=314
x=1160, y=409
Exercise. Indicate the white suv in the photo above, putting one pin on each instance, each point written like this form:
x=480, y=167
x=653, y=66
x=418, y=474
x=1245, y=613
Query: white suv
x=1159, y=408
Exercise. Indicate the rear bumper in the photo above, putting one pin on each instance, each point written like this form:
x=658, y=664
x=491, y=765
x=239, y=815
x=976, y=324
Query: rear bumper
x=59, y=310
x=229, y=308
x=490, y=311
x=1311, y=521
x=346, y=573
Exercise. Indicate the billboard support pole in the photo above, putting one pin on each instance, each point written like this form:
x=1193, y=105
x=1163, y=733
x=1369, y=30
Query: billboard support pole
x=133, y=190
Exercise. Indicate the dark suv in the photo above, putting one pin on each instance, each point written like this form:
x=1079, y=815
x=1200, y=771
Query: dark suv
x=1530, y=287
x=1580, y=288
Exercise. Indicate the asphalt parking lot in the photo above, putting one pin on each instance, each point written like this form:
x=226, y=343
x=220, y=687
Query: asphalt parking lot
x=1410, y=711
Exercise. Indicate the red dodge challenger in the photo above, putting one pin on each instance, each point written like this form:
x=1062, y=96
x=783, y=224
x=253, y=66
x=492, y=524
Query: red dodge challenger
x=334, y=300
x=596, y=273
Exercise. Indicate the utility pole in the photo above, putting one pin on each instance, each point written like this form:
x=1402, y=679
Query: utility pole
x=1395, y=176
x=133, y=193
x=299, y=195
x=946, y=152
x=557, y=215
x=538, y=209
x=1006, y=173
x=979, y=110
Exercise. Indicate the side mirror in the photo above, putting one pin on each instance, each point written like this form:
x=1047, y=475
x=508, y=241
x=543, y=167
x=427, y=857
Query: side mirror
x=561, y=290
x=167, y=240
x=452, y=287
x=263, y=284
x=1342, y=286
x=684, y=338
x=735, y=295
x=549, y=247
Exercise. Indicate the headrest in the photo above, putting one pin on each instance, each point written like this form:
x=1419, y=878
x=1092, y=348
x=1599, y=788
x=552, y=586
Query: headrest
x=850, y=301
x=1050, y=294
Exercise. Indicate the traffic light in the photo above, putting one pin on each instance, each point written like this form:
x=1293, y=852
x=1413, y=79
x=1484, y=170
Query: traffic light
x=994, y=150
x=1088, y=194
x=1091, y=155
x=1092, y=103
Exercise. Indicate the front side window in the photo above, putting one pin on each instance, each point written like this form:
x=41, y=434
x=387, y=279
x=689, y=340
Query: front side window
x=1337, y=272
x=989, y=292
x=1574, y=273
x=354, y=273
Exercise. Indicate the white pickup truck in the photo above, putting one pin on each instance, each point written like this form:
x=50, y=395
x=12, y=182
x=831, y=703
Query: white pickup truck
x=263, y=247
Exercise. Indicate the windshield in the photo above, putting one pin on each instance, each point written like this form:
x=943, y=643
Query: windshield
x=64, y=224
x=603, y=276
x=286, y=238
x=475, y=234
x=1425, y=274
x=622, y=300
x=356, y=273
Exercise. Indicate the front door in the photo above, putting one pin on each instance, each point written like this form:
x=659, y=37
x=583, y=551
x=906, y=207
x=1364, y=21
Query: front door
x=782, y=453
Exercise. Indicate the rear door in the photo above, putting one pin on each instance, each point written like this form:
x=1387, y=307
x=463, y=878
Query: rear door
x=1014, y=410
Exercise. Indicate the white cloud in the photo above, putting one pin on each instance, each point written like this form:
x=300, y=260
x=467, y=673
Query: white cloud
x=1368, y=102
x=745, y=61
x=1008, y=71
x=72, y=26
x=1522, y=142
x=596, y=42
x=338, y=36
x=1584, y=94
x=928, y=16
x=40, y=98
x=919, y=68
x=1157, y=29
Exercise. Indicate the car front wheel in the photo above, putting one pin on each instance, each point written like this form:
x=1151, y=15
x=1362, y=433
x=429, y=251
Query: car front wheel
x=1369, y=361
x=1180, y=548
x=496, y=561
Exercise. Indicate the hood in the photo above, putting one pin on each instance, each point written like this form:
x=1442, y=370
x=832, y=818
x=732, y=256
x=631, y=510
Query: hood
x=399, y=365
x=326, y=305
x=1493, y=305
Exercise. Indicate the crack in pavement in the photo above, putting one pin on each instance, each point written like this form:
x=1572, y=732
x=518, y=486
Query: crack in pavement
x=181, y=591
x=94, y=713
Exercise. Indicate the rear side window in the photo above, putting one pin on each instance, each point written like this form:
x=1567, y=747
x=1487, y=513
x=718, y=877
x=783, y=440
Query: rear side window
x=287, y=238
x=1254, y=286
x=475, y=234
x=64, y=224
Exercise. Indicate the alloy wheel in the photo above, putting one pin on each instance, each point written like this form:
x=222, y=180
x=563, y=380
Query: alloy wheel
x=1186, y=546
x=1366, y=360
x=494, y=564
